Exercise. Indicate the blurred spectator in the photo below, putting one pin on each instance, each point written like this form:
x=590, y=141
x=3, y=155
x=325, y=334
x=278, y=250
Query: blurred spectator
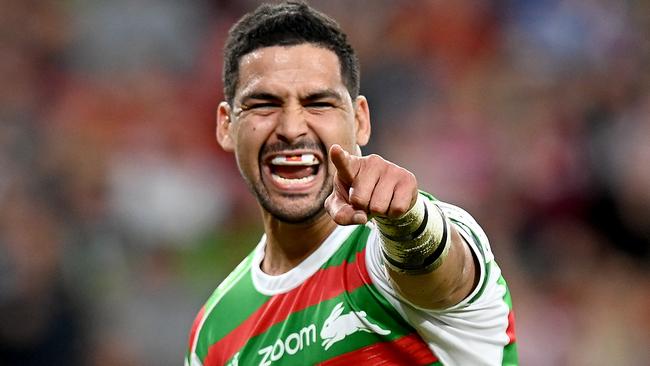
x=40, y=322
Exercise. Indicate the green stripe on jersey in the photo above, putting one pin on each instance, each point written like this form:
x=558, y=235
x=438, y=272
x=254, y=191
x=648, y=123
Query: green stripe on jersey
x=510, y=357
x=242, y=301
x=506, y=297
x=354, y=244
x=510, y=354
x=232, y=279
x=428, y=195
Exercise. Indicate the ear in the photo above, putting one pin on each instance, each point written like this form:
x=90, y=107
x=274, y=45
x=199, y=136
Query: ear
x=224, y=127
x=362, y=118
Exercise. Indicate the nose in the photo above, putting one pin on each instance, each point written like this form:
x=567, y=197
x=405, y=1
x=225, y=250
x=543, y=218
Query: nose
x=292, y=124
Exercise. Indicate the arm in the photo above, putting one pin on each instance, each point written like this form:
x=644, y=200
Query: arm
x=428, y=261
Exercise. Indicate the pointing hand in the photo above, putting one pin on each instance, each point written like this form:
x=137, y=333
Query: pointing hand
x=367, y=186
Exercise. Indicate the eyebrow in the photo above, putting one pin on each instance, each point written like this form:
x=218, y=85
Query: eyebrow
x=259, y=96
x=322, y=94
x=319, y=94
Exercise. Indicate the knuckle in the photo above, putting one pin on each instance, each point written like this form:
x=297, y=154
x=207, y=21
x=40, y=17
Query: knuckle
x=375, y=159
x=409, y=178
x=398, y=210
x=412, y=178
x=339, y=219
x=377, y=208
x=357, y=200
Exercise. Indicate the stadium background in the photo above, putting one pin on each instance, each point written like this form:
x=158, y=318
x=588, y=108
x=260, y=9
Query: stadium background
x=119, y=214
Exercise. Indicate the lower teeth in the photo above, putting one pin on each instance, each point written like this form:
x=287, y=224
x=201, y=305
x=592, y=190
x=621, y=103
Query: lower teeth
x=280, y=179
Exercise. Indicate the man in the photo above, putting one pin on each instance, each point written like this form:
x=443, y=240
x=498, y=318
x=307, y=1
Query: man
x=356, y=265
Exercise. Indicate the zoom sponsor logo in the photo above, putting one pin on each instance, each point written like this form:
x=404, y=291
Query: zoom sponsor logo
x=292, y=344
x=336, y=328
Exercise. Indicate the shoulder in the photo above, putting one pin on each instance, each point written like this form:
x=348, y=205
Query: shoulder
x=231, y=284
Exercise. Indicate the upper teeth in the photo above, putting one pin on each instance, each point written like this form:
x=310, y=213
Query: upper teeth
x=301, y=159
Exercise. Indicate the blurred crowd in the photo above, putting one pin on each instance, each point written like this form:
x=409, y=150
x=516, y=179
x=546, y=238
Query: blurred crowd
x=119, y=214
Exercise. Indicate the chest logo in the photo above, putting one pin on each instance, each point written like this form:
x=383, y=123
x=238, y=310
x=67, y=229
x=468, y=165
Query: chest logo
x=337, y=326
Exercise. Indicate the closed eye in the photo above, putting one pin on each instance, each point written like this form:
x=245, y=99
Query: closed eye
x=319, y=105
x=262, y=105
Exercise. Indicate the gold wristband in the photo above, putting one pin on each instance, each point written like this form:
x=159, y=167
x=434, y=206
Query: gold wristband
x=416, y=242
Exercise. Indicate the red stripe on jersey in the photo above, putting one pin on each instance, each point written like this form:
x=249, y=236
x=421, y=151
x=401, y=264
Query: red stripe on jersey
x=510, y=331
x=195, y=326
x=406, y=351
x=323, y=285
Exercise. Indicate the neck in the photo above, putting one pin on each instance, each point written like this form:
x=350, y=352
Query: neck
x=287, y=244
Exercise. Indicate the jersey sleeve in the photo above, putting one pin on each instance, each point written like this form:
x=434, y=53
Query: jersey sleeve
x=474, y=329
x=478, y=242
x=466, y=226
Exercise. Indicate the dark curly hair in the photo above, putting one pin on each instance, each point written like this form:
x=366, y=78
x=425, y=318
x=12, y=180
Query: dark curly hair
x=286, y=24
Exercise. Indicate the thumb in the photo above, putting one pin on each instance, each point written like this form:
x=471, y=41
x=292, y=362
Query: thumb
x=347, y=166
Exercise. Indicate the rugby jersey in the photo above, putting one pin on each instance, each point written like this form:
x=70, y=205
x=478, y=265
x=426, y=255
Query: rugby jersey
x=337, y=307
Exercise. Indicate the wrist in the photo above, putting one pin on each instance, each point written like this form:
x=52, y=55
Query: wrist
x=416, y=242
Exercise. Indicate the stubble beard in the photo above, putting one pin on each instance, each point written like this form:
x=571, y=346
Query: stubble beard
x=295, y=208
x=295, y=212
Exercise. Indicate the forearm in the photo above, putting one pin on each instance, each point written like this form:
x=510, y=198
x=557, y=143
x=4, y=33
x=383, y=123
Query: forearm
x=428, y=261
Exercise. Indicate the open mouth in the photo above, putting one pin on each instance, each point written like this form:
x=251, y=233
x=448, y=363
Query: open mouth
x=294, y=169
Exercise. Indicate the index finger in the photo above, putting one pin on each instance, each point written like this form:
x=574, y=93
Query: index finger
x=347, y=166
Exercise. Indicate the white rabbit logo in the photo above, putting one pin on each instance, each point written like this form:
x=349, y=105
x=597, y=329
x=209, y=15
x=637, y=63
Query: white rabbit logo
x=337, y=326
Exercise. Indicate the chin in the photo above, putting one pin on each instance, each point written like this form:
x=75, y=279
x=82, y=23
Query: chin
x=295, y=213
x=298, y=219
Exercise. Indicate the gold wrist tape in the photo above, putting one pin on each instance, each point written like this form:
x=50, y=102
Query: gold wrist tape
x=416, y=242
x=406, y=224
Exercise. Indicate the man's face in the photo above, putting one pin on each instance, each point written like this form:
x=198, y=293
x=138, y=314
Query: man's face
x=290, y=106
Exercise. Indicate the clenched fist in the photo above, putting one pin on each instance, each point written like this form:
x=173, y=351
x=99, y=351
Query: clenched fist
x=367, y=186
